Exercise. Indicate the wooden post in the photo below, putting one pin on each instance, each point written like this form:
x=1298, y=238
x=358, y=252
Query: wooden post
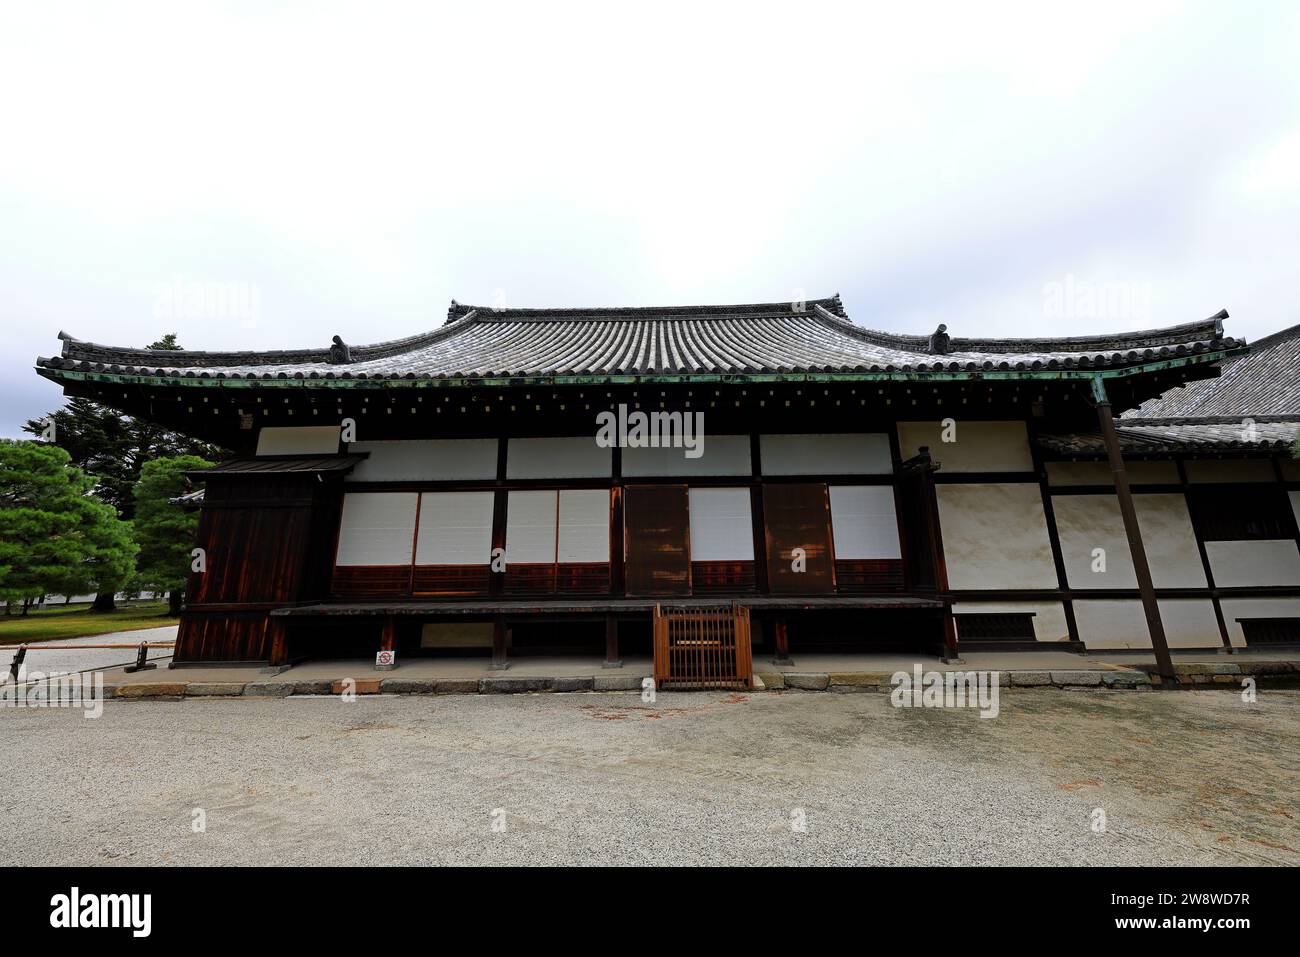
x=781, y=637
x=612, y=659
x=499, y=662
x=279, y=641
x=1155, y=627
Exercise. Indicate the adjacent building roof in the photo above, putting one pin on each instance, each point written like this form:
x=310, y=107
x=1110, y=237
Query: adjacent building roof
x=1264, y=382
x=1157, y=436
x=1253, y=405
x=482, y=343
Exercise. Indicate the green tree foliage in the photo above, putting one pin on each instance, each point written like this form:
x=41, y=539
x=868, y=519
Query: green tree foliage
x=165, y=532
x=54, y=535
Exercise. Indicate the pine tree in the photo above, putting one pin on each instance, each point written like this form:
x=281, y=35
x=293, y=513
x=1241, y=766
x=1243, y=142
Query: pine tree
x=165, y=532
x=54, y=535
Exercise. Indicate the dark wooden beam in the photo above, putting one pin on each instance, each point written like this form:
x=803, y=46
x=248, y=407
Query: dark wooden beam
x=1141, y=568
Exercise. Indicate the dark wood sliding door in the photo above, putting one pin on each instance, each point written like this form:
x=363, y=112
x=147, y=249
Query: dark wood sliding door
x=657, y=535
x=798, y=517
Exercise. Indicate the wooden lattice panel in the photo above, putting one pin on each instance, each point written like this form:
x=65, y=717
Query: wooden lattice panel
x=702, y=648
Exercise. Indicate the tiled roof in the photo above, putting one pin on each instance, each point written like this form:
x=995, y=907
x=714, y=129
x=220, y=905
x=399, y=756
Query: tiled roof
x=1266, y=381
x=811, y=337
x=1208, y=434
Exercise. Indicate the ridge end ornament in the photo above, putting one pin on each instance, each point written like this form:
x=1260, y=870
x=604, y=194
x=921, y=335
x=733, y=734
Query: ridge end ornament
x=339, y=353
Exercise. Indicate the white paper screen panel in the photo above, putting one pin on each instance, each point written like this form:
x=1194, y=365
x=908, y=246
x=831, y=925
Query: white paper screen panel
x=721, y=527
x=530, y=528
x=721, y=455
x=426, y=461
x=298, y=440
x=455, y=528
x=578, y=457
x=377, y=528
x=584, y=525
x=865, y=453
x=863, y=521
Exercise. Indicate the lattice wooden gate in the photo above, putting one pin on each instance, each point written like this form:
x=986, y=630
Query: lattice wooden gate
x=702, y=647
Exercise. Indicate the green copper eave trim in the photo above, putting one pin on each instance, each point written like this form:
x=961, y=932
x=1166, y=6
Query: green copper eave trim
x=738, y=378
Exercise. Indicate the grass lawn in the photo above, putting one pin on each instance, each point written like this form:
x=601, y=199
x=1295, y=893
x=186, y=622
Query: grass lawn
x=78, y=621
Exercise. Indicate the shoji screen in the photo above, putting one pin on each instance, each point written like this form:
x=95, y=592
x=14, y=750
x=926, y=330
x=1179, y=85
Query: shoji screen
x=530, y=528
x=864, y=523
x=454, y=543
x=584, y=526
x=375, y=537
x=557, y=541
x=722, y=540
x=377, y=528
x=868, y=552
x=722, y=528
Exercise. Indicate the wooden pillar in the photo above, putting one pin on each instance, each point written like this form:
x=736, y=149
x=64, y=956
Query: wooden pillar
x=612, y=659
x=279, y=643
x=781, y=638
x=499, y=661
x=1155, y=627
x=387, y=639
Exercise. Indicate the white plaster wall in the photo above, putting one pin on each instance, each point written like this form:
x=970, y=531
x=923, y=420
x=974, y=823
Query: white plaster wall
x=431, y=460
x=1049, y=617
x=863, y=453
x=1229, y=470
x=569, y=457
x=298, y=440
x=979, y=446
x=1105, y=623
x=995, y=536
x=1234, y=608
x=723, y=455
x=377, y=528
x=1086, y=522
x=1144, y=472
x=1257, y=563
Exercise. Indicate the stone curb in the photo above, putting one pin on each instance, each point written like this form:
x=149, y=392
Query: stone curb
x=1229, y=675
x=212, y=689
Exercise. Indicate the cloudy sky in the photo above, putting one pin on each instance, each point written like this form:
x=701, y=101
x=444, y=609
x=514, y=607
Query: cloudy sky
x=256, y=176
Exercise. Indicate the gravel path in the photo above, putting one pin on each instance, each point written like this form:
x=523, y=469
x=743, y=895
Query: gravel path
x=50, y=661
x=1183, y=777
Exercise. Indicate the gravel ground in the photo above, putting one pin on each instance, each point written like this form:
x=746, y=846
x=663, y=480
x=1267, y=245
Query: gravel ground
x=57, y=660
x=1183, y=778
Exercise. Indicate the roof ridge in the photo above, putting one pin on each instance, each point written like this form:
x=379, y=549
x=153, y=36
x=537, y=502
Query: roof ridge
x=570, y=313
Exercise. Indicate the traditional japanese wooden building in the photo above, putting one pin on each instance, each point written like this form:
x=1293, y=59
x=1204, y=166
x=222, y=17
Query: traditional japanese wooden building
x=846, y=487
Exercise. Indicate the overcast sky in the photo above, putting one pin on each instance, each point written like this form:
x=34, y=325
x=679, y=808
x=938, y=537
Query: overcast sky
x=349, y=169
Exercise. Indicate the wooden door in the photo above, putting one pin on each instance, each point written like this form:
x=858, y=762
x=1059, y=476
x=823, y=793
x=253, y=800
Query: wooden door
x=657, y=536
x=798, y=517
